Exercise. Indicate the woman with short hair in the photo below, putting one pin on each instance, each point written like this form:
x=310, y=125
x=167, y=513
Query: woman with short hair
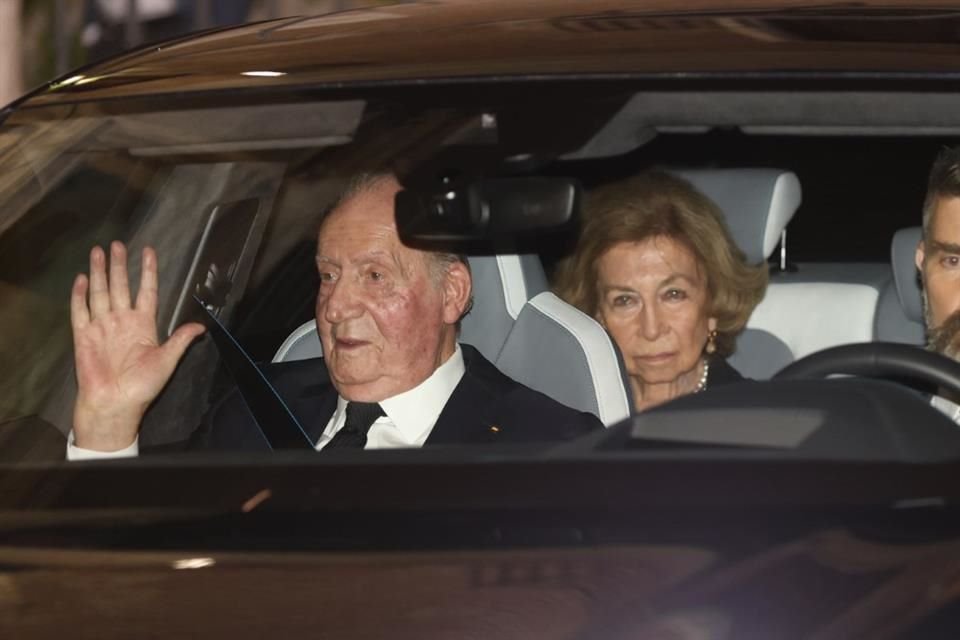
x=656, y=266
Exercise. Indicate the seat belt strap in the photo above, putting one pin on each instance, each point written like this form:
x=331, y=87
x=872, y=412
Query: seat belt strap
x=276, y=422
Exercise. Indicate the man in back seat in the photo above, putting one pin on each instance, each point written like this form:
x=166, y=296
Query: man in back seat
x=938, y=259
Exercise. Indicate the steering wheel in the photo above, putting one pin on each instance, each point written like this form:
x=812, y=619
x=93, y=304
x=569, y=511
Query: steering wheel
x=877, y=360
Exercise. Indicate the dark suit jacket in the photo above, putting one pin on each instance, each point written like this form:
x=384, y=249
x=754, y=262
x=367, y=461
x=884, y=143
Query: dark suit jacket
x=485, y=407
x=722, y=372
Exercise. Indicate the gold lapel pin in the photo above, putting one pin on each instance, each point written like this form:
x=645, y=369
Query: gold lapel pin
x=494, y=428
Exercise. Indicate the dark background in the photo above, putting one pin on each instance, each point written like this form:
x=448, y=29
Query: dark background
x=857, y=191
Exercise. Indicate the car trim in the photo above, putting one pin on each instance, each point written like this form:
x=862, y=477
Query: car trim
x=514, y=288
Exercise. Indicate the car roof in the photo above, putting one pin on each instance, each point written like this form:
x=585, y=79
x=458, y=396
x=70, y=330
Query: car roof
x=456, y=40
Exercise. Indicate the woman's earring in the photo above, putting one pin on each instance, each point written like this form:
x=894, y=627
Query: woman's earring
x=712, y=342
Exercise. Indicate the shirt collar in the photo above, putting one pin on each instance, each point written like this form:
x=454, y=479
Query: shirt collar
x=415, y=412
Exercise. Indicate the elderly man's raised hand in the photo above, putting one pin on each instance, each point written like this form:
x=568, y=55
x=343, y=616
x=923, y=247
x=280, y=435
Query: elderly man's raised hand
x=121, y=365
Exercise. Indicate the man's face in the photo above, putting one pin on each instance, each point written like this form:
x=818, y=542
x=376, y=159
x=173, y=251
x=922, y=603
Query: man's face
x=938, y=258
x=385, y=318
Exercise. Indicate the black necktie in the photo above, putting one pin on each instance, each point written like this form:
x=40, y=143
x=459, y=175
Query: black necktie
x=353, y=434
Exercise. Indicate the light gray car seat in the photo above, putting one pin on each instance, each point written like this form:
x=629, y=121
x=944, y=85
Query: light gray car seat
x=757, y=205
x=900, y=307
x=529, y=334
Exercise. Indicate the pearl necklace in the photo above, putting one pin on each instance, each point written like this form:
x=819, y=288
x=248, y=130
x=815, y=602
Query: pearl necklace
x=702, y=385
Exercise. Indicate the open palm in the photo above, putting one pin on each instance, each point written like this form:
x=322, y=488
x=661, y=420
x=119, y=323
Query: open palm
x=121, y=365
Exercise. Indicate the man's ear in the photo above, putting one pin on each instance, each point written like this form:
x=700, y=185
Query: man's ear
x=457, y=289
x=918, y=256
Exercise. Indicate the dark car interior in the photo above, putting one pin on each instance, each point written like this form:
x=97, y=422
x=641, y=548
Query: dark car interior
x=814, y=185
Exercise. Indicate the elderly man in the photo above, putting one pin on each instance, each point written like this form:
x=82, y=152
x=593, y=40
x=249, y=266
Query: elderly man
x=392, y=374
x=938, y=259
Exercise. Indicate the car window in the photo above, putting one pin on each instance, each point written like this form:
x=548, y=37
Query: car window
x=86, y=198
x=231, y=210
x=230, y=193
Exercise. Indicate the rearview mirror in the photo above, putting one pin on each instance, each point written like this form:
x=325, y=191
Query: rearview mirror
x=486, y=208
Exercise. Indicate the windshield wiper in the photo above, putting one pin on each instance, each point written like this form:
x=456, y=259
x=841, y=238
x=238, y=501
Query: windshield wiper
x=278, y=425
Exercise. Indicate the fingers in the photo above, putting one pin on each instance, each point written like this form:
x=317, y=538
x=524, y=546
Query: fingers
x=113, y=293
x=147, y=295
x=99, y=295
x=119, y=285
x=79, y=313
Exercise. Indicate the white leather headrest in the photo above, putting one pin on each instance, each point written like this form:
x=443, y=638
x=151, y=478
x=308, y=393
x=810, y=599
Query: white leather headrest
x=757, y=204
x=903, y=249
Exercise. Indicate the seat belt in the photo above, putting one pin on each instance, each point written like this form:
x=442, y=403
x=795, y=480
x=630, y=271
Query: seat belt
x=276, y=422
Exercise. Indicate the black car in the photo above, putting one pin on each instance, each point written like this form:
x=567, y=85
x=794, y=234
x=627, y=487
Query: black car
x=797, y=505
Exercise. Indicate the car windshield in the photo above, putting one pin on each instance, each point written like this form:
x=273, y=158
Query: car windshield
x=230, y=194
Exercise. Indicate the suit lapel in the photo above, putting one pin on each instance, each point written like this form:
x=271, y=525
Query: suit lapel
x=313, y=407
x=467, y=417
x=464, y=419
x=305, y=386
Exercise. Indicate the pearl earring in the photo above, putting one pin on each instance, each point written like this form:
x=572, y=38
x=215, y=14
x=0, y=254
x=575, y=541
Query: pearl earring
x=711, y=342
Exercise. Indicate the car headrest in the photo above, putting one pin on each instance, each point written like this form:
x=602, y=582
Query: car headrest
x=502, y=284
x=757, y=204
x=903, y=249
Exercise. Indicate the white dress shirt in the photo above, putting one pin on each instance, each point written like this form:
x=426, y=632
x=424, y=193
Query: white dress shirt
x=79, y=453
x=410, y=416
x=950, y=409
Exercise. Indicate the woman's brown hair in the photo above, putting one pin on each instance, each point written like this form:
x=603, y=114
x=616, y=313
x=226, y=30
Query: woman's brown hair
x=654, y=204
